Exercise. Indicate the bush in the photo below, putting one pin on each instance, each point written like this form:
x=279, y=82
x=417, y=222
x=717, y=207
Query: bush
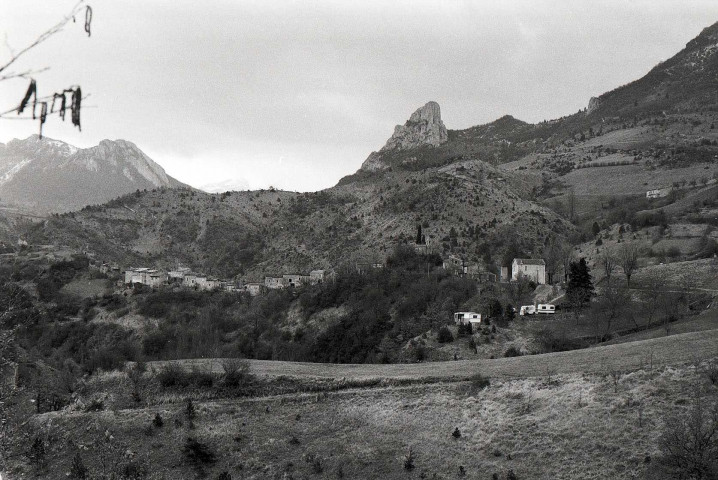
x=479, y=382
x=157, y=421
x=78, y=470
x=512, y=351
x=409, y=460
x=444, y=335
x=197, y=453
x=173, y=375
x=457, y=433
x=236, y=372
x=690, y=445
x=551, y=343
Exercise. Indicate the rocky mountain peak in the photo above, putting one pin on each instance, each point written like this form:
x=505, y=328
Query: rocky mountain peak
x=424, y=127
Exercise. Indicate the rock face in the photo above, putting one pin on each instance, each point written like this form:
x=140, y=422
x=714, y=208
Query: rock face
x=593, y=104
x=424, y=127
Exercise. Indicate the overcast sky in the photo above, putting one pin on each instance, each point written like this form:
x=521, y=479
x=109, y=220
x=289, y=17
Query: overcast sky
x=297, y=94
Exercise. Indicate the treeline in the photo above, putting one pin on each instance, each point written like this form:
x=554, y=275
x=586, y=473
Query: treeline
x=380, y=309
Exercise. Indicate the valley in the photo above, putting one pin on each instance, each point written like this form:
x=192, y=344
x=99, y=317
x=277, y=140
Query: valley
x=365, y=373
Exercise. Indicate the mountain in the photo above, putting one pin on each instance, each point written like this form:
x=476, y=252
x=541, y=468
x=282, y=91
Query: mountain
x=483, y=193
x=48, y=175
x=687, y=81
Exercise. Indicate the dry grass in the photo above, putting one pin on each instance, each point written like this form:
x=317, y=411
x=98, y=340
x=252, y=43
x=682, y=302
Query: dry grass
x=575, y=426
x=668, y=351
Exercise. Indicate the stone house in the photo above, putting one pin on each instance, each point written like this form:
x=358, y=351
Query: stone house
x=532, y=268
x=254, y=289
x=295, y=279
x=316, y=277
x=274, y=282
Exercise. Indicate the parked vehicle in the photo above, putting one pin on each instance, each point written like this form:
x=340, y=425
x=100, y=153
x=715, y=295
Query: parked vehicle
x=546, y=308
x=527, y=310
x=462, y=318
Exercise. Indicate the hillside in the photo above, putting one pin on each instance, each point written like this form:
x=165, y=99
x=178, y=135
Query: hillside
x=47, y=175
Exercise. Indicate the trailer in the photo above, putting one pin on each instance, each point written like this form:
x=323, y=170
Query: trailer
x=462, y=318
x=546, y=308
x=527, y=310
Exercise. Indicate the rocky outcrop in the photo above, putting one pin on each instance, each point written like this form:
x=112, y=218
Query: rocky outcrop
x=424, y=127
x=593, y=104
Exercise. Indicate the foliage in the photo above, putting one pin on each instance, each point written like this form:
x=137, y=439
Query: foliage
x=580, y=285
x=512, y=351
x=78, y=470
x=198, y=453
x=444, y=335
x=230, y=247
x=690, y=444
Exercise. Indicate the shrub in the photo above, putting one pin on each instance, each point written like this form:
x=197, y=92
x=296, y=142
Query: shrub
x=172, y=375
x=236, y=372
x=510, y=475
x=197, y=453
x=409, y=460
x=157, y=421
x=190, y=410
x=224, y=476
x=445, y=335
x=78, y=469
x=479, y=382
x=457, y=433
x=690, y=445
x=96, y=405
x=711, y=371
x=512, y=351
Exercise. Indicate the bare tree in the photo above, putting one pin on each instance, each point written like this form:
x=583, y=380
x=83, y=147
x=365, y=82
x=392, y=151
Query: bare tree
x=45, y=104
x=628, y=258
x=571, y=205
x=653, y=289
x=690, y=444
x=567, y=256
x=612, y=304
x=552, y=256
x=607, y=260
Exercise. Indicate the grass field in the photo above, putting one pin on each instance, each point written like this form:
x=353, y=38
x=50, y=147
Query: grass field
x=663, y=351
x=707, y=320
x=569, y=426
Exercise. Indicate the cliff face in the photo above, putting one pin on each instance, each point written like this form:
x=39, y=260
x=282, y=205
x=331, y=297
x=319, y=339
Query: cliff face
x=424, y=127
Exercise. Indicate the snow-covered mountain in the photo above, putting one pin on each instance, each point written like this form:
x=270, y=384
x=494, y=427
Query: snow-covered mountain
x=52, y=176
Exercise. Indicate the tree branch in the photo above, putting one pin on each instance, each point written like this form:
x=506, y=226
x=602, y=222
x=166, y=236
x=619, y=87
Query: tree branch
x=44, y=36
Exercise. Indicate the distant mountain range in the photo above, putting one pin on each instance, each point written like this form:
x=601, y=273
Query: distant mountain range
x=47, y=175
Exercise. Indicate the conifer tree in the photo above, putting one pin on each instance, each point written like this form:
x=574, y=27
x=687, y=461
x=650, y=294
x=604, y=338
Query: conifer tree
x=580, y=284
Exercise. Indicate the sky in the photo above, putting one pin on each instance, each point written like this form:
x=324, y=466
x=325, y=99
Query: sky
x=295, y=95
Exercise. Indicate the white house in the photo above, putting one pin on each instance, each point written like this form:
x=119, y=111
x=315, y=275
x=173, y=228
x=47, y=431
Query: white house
x=534, y=269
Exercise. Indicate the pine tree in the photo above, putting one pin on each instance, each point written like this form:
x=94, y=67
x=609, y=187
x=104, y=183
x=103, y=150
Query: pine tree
x=418, y=235
x=580, y=285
